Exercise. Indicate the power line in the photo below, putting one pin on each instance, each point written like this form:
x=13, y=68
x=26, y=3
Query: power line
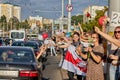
x=46, y=11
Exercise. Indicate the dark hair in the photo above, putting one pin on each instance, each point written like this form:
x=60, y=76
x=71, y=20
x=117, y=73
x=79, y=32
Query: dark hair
x=76, y=43
x=99, y=37
x=118, y=27
x=76, y=33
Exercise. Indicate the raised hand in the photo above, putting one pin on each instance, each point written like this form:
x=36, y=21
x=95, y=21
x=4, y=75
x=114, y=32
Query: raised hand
x=97, y=30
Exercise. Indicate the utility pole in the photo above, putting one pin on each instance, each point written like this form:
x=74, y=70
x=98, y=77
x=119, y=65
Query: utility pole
x=114, y=6
x=52, y=27
x=69, y=14
x=62, y=16
x=114, y=15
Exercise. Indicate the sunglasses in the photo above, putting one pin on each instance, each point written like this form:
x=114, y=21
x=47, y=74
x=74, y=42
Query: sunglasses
x=116, y=32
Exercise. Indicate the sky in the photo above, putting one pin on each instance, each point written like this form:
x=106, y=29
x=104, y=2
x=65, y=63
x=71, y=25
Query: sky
x=52, y=8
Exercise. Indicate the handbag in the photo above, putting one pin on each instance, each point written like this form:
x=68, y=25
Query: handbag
x=108, y=58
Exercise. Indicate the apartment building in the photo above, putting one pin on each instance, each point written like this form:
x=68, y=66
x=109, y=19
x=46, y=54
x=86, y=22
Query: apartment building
x=10, y=10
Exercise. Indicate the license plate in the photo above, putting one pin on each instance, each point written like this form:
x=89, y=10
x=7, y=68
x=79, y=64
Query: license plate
x=9, y=73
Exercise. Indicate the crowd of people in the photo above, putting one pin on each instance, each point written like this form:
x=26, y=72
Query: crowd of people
x=83, y=54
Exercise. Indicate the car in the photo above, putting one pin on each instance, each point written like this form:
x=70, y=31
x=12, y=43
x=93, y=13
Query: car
x=28, y=43
x=35, y=45
x=19, y=63
x=1, y=42
x=8, y=41
x=40, y=42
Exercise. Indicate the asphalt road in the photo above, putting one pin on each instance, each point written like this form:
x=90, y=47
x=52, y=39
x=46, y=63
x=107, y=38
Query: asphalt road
x=52, y=70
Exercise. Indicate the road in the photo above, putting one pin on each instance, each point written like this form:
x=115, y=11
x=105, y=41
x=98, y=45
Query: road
x=52, y=70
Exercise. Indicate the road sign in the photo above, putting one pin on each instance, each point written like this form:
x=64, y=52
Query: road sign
x=69, y=7
x=115, y=19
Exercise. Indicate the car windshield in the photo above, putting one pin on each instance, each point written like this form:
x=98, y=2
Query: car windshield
x=18, y=35
x=14, y=55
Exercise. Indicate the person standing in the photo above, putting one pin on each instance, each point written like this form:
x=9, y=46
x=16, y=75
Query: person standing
x=113, y=46
x=94, y=59
x=52, y=47
x=73, y=63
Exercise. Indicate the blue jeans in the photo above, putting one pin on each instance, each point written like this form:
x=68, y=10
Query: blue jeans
x=112, y=72
x=117, y=75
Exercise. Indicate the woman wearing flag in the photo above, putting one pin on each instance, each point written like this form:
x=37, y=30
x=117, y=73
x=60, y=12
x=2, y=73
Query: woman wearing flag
x=94, y=56
x=73, y=63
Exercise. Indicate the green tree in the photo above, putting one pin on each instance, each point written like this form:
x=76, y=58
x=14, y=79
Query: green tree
x=88, y=26
x=77, y=18
x=25, y=24
x=13, y=23
x=3, y=23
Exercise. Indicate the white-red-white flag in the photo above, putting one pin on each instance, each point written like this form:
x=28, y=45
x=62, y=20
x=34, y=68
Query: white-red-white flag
x=73, y=62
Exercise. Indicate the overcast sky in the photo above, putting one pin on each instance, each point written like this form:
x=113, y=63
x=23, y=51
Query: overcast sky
x=52, y=8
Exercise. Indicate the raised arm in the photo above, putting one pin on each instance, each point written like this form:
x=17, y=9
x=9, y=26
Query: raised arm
x=42, y=50
x=81, y=30
x=108, y=37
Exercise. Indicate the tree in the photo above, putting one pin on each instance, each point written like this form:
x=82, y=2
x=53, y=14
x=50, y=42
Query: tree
x=13, y=23
x=77, y=18
x=25, y=24
x=3, y=22
x=90, y=25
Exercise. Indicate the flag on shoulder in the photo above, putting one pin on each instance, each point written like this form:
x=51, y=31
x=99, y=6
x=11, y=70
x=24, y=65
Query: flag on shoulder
x=73, y=62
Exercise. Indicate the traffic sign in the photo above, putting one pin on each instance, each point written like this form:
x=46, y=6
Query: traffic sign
x=115, y=19
x=69, y=7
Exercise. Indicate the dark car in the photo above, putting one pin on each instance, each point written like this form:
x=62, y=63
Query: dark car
x=19, y=63
x=1, y=42
x=32, y=44
x=40, y=42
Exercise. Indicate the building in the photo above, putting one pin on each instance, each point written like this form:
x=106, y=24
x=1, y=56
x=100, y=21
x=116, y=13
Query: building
x=62, y=22
x=17, y=12
x=35, y=23
x=89, y=12
x=10, y=10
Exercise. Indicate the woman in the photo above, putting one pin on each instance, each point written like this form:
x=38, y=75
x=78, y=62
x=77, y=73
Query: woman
x=72, y=62
x=106, y=36
x=94, y=59
x=113, y=48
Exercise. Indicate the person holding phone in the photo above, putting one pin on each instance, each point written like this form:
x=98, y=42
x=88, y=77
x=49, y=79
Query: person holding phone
x=94, y=59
